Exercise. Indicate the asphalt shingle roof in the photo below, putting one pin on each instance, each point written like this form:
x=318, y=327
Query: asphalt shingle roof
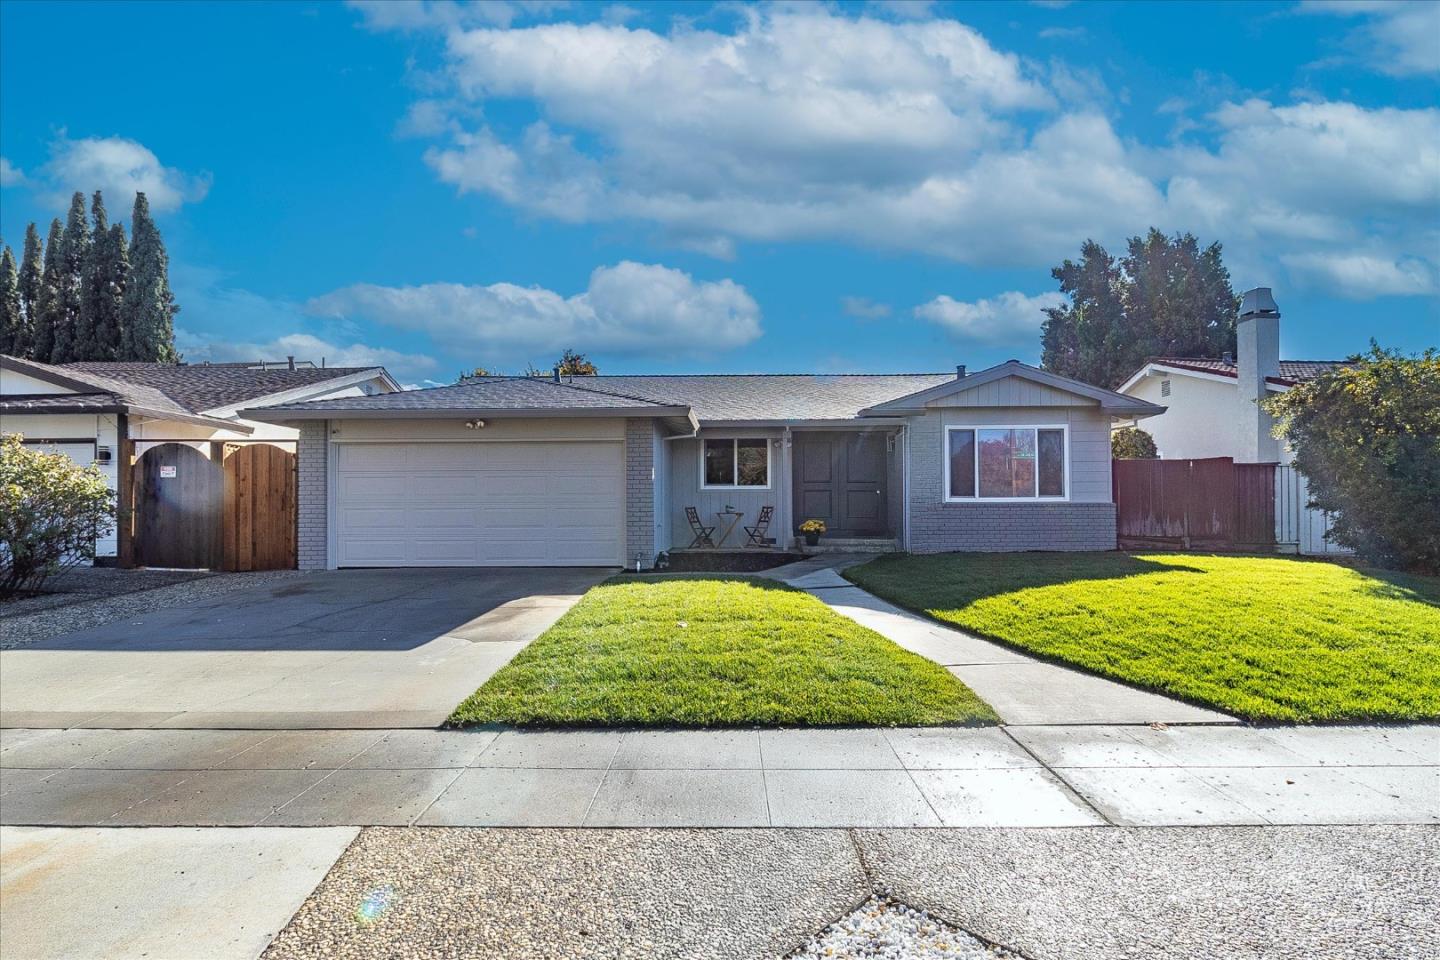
x=770, y=396
x=198, y=387
x=491, y=393
x=1291, y=371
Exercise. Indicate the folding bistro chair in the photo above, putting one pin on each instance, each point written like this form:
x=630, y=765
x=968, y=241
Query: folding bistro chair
x=702, y=532
x=756, y=535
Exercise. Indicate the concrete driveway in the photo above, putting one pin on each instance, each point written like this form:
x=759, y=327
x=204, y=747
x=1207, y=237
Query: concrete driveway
x=374, y=649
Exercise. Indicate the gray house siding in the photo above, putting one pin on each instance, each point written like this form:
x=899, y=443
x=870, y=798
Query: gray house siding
x=311, y=502
x=1085, y=522
x=686, y=490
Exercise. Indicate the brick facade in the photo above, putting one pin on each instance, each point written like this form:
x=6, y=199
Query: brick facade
x=939, y=527
x=313, y=449
x=640, y=492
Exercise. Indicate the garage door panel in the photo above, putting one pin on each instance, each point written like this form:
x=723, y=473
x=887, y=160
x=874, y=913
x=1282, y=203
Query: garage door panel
x=358, y=457
x=447, y=504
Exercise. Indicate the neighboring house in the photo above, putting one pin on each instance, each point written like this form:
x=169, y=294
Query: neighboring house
x=1212, y=409
x=599, y=470
x=93, y=411
x=1211, y=406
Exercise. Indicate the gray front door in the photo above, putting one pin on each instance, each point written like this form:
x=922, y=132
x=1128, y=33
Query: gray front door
x=841, y=478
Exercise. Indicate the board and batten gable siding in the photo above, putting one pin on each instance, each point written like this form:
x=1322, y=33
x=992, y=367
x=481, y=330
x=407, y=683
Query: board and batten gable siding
x=1085, y=521
x=1013, y=392
x=686, y=489
x=13, y=383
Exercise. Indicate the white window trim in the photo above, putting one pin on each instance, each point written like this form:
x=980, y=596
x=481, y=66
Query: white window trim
x=1064, y=463
x=735, y=465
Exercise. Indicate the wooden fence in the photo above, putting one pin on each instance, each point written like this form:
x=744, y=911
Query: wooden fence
x=1211, y=504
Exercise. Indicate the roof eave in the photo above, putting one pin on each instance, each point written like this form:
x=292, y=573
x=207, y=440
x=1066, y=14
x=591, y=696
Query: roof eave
x=296, y=393
x=282, y=415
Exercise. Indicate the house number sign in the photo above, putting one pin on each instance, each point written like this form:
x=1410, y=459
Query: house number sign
x=167, y=473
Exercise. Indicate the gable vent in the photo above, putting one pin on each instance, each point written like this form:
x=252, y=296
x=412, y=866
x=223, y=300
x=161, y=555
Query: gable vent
x=1164, y=388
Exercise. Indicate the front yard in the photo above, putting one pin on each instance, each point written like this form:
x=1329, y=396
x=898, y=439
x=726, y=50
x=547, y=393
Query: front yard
x=716, y=651
x=1264, y=638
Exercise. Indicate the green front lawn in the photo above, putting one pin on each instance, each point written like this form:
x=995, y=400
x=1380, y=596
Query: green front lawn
x=703, y=651
x=1265, y=638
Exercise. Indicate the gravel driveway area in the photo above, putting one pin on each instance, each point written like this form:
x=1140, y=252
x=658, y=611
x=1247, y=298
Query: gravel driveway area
x=1243, y=893
x=519, y=894
x=91, y=596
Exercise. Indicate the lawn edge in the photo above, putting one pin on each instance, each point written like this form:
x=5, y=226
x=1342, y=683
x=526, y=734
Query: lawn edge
x=1248, y=719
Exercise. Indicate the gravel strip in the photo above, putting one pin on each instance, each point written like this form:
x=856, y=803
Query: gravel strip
x=19, y=629
x=80, y=584
x=885, y=930
x=520, y=894
x=1197, y=893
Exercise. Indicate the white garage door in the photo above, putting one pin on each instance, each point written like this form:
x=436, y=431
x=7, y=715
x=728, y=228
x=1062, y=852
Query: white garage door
x=479, y=504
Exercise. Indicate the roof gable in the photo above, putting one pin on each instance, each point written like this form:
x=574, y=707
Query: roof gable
x=1015, y=384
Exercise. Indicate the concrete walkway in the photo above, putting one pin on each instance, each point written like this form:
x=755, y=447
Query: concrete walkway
x=1023, y=690
x=959, y=777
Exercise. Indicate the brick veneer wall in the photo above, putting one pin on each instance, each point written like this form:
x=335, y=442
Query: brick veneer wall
x=938, y=527
x=640, y=492
x=313, y=450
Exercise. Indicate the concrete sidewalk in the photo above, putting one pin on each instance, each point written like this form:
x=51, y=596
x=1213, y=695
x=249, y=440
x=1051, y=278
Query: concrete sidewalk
x=959, y=777
x=1023, y=690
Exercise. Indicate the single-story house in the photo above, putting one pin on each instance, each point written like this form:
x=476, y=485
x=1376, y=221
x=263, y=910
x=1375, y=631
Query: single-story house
x=603, y=470
x=1212, y=405
x=109, y=413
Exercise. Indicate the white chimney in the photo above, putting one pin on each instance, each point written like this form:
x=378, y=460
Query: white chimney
x=1257, y=356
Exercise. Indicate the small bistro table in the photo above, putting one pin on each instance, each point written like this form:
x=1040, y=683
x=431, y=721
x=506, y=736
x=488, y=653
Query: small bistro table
x=728, y=519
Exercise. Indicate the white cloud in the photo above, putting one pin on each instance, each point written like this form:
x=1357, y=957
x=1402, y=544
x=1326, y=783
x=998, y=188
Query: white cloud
x=630, y=308
x=1396, y=37
x=120, y=167
x=1008, y=318
x=916, y=136
x=1359, y=276
x=11, y=175
x=412, y=15
x=863, y=308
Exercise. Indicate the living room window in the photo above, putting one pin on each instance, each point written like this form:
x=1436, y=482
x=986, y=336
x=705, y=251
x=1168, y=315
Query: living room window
x=1005, y=463
x=742, y=463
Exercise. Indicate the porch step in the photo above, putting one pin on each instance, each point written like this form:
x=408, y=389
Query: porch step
x=856, y=545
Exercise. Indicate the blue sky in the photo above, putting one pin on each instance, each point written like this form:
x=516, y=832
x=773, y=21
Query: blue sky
x=681, y=187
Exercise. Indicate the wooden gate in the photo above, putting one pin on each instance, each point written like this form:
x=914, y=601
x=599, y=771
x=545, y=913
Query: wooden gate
x=177, y=502
x=1211, y=504
x=258, y=519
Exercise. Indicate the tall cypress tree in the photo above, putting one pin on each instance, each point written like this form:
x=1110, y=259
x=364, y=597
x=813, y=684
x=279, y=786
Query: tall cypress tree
x=31, y=272
x=10, y=318
x=149, y=307
x=47, y=301
x=98, y=332
x=70, y=332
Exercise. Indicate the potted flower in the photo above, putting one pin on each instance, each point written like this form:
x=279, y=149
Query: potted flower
x=812, y=530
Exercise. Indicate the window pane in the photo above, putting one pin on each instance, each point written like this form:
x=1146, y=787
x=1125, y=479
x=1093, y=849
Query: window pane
x=750, y=456
x=1007, y=463
x=1052, y=463
x=962, y=463
x=719, y=462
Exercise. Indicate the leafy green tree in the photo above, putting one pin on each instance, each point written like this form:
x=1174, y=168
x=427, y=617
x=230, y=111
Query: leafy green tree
x=70, y=333
x=576, y=365
x=31, y=271
x=11, y=320
x=1166, y=297
x=106, y=271
x=1366, y=438
x=48, y=306
x=51, y=511
x=1132, y=443
x=149, y=306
